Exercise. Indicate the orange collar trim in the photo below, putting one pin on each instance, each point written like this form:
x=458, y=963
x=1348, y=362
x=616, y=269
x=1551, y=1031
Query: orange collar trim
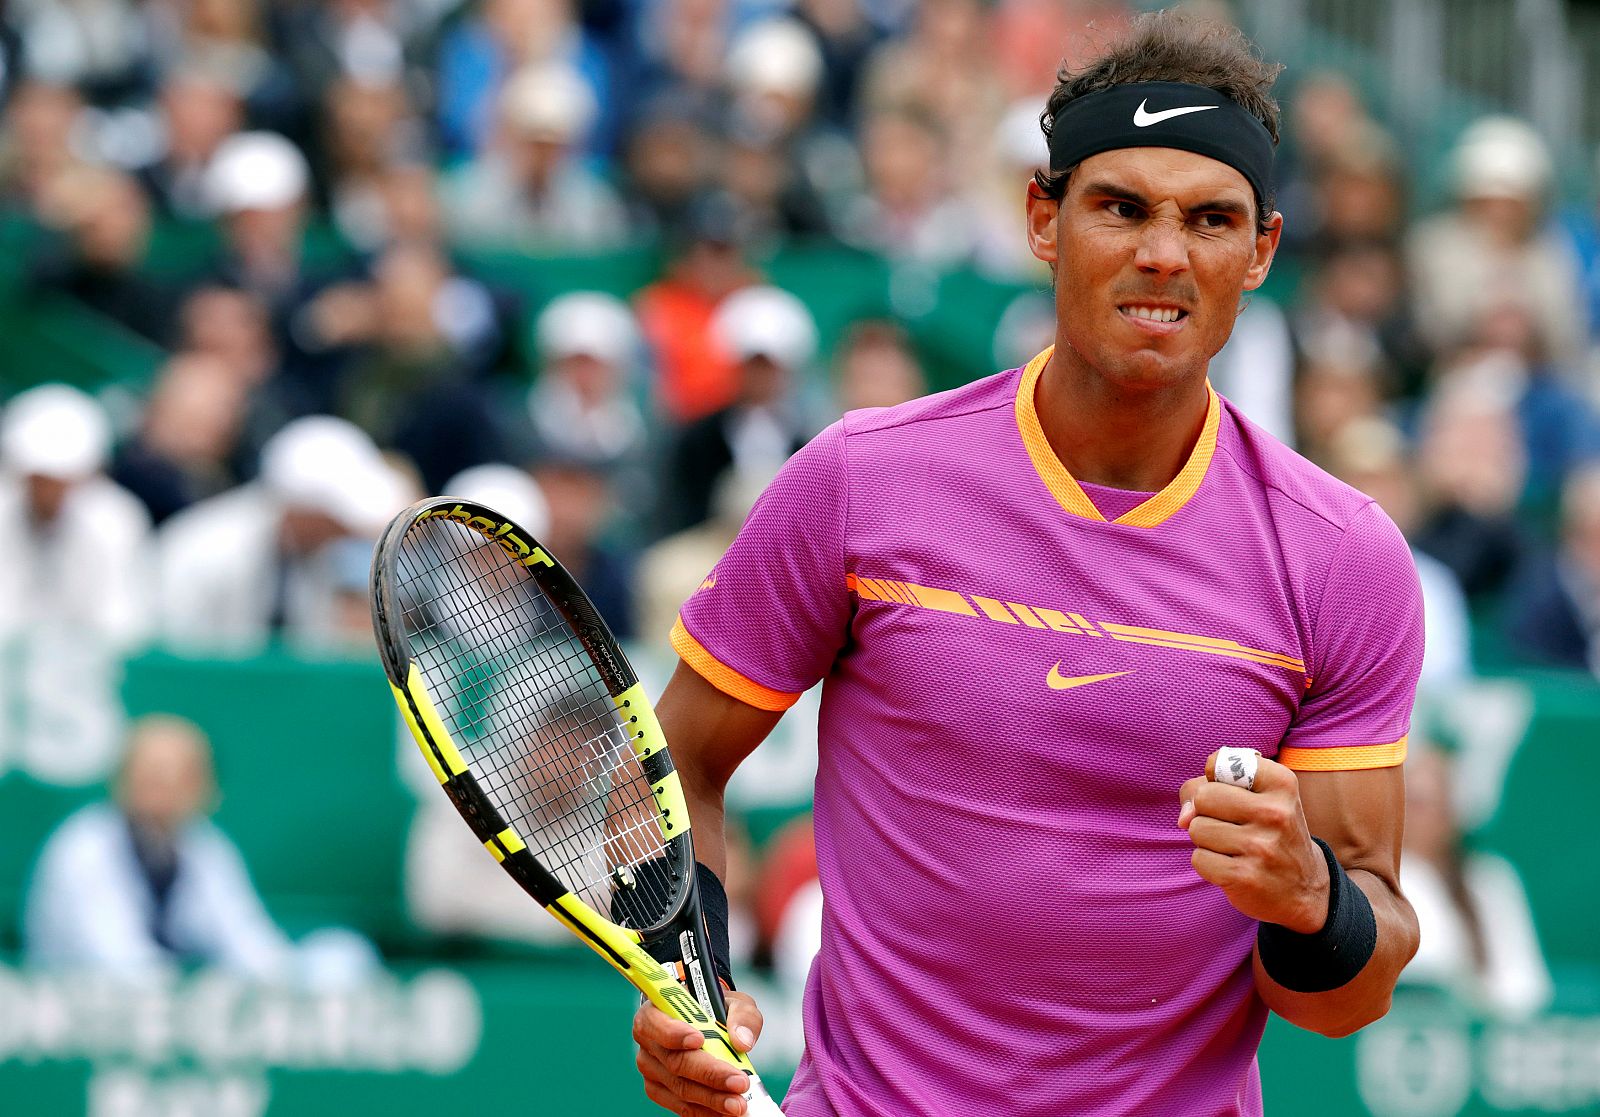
x=1065, y=488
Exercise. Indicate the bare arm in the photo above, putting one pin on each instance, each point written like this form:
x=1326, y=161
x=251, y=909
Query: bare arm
x=709, y=734
x=1360, y=815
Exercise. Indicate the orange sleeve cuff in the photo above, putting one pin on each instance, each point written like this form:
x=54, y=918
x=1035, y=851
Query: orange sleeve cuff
x=1346, y=758
x=725, y=678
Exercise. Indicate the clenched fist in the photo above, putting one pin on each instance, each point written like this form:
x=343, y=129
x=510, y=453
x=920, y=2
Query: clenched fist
x=1255, y=846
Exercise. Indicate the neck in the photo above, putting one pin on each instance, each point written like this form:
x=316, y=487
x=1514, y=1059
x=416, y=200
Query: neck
x=1106, y=434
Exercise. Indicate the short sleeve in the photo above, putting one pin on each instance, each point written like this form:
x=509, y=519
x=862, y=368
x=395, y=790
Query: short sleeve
x=1366, y=655
x=768, y=621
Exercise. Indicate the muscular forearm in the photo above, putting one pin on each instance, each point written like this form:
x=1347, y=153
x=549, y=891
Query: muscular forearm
x=1366, y=997
x=709, y=734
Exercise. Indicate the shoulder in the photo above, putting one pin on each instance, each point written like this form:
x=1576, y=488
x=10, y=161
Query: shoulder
x=225, y=514
x=84, y=835
x=1309, y=497
x=991, y=393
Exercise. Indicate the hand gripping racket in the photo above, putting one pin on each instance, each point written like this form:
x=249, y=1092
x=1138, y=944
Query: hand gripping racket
x=539, y=731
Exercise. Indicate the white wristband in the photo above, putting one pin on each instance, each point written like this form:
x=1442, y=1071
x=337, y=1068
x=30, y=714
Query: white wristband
x=1237, y=766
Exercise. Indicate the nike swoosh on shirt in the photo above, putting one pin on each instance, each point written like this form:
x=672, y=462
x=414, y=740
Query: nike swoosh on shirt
x=1056, y=681
x=1142, y=119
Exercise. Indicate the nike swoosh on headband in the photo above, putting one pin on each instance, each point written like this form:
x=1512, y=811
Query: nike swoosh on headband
x=1143, y=119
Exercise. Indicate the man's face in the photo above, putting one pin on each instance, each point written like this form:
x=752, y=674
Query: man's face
x=1144, y=234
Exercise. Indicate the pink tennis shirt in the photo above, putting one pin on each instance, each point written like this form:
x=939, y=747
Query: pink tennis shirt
x=1019, y=673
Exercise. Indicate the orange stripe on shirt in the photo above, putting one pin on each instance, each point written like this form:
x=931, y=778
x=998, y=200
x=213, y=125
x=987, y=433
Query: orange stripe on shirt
x=1344, y=758
x=725, y=678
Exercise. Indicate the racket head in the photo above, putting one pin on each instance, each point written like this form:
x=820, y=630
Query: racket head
x=530, y=714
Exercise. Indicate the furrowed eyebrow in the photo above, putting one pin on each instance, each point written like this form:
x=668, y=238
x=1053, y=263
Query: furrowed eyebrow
x=1229, y=206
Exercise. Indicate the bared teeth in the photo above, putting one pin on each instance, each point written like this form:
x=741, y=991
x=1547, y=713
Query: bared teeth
x=1153, y=313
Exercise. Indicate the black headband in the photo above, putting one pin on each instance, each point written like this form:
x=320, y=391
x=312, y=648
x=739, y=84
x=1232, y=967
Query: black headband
x=1164, y=114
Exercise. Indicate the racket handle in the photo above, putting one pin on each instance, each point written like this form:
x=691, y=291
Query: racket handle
x=759, y=1103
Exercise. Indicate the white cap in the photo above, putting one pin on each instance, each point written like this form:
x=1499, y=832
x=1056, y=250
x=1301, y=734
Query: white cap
x=1018, y=139
x=775, y=56
x=256, y=170
x=588, y=323
x=550, y=102
x=1501, y=157
x=55, y=431
x=506, y=489
x=329, y=465
x=767, y=322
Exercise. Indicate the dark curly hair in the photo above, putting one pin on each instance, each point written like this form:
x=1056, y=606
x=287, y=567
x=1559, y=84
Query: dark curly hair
x=1171, y=45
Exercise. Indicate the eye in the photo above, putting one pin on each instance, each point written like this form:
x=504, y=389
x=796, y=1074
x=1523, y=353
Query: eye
x=1215, y=220
x=1125, y=210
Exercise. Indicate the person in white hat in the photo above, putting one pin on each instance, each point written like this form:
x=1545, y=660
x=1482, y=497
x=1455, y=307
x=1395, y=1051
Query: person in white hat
x=260, y=561
x=74, y=581
x=532, y=190
x=257, y=185
x=580, y=404
x=1496, y=246
x=771, y=337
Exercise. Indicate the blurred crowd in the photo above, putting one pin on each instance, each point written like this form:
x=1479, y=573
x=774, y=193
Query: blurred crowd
x=335, y=345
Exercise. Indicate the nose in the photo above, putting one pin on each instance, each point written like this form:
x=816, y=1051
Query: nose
x=1163, y=252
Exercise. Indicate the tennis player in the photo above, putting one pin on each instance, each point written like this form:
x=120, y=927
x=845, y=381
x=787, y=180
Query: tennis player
x=1040, y=605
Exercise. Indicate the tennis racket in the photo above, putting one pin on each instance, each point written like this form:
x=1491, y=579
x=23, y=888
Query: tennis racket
x=538, y=729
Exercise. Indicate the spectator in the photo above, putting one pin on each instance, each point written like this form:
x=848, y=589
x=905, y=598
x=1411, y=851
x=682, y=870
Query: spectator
x=876, y=367
x=1472, y=467
x=1552, y=609
x=254, y=563
x=1370, y=455
x=42, y=137
x=1496, y=247
x=102, y=47
x=479, y=57
x=1478, y=938
x=146, y=883
x=105, y=219
x=670, y=158
x=75, y=543
x=581, y=404
x=1339, y=176
x=845, y=39
x=532, y=190
x=225, y=38
x=187, y=447
x=259, y=182
x=1018, y=150
x=1338, y=384
x=415, y=386
x=942, y=74
x=909, y=211
x=694, y=377
x=74, y=583
x=577, y=493
x=771, y=336
x=1355, y=300
x=1558, y=425
x=198, y=111
x=367, y=129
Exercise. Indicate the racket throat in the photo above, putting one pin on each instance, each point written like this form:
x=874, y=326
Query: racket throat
x=695, y=967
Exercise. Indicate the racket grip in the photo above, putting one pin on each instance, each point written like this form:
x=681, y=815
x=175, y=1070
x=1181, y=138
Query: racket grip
x=759, y=1103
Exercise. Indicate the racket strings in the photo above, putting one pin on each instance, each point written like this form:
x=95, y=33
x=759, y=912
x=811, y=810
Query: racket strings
x=520, y=694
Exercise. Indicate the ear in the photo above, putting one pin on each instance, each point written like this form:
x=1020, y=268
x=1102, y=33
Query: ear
x=1266, y=249
x=1042, y=213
